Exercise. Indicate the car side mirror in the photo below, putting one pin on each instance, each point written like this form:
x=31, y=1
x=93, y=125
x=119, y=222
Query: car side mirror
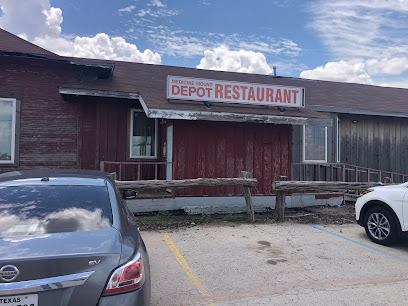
x=129, y=194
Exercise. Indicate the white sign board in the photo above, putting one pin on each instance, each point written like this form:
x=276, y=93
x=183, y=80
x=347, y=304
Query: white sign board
x=183, y=88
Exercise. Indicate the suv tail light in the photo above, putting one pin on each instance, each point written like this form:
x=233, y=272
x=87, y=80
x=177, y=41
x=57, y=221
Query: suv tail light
x=127, y=277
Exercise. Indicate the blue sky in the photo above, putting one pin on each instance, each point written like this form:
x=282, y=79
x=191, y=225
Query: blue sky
x=350, y=41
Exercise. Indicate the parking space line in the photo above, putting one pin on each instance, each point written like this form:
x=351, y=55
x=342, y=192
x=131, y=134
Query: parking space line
x=359, y=243
x=194, y=279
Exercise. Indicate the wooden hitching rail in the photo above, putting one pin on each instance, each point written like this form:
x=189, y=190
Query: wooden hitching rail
x=282, y=186
x=246, y=183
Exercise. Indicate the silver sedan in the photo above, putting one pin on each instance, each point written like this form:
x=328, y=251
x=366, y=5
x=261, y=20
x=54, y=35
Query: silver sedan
x=68, y=238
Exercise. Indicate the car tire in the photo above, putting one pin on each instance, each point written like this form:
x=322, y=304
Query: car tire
x=381, y=225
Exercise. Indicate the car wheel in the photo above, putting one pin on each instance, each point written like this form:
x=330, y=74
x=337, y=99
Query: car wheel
x=381, y=225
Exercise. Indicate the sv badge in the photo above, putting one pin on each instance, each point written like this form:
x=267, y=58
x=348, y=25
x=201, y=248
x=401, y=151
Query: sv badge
x=94, y=262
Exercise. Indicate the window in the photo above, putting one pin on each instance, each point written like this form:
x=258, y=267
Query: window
x=33, y=209
x=314, y=144
x=7, y=130
x=143, y=135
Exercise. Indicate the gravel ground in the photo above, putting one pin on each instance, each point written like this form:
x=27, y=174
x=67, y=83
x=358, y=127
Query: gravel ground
x=343, y=214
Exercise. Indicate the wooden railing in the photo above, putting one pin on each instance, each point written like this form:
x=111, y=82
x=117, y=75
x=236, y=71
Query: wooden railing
x=136, y=171
x=363, y=174
x=338, y=172
x=244, y=181
x=318, y=172
x=282, y=186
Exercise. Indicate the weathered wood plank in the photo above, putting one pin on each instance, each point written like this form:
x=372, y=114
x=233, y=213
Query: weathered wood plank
x=199, y=182
x=317, y=186
x=98, y=93
x=235, y=117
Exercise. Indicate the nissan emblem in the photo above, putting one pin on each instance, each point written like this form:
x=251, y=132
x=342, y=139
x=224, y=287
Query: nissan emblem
x=9, y=273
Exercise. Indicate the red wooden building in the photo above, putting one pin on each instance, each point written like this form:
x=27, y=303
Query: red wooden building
x=125, y=117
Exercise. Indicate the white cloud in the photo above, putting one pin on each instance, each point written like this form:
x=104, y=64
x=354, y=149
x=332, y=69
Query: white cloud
x=157, y=3
x=161, y=13
x=366, y=37
x=100, y=46
x=127, y=9
x=393, y=66
x=156, y=10
x=364, y=28
x=351, y=72
x=32, y=19
x=358, y=70
x=265, y=45
x=222, y=58
x=398, y=84
x=180, y=43
x=40, y=23
x=281, y=3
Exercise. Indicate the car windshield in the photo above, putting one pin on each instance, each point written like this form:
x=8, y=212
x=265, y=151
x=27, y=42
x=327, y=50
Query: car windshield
x=28, y=210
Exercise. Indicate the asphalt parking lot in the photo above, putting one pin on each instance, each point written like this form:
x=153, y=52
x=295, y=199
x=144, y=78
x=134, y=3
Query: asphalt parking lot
x=271, y=264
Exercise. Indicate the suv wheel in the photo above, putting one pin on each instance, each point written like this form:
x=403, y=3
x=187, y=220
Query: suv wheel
x=381, y=225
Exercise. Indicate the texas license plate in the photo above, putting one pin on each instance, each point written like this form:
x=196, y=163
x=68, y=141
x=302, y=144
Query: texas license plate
x=19, y=300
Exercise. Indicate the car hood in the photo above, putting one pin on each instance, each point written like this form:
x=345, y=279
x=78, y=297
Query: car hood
x=389, y=186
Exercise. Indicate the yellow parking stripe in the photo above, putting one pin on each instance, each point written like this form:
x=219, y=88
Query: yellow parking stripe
x=196, y=282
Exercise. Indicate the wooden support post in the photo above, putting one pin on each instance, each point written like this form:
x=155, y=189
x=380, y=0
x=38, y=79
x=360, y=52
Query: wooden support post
x=102, y=166
x=248, y=199
x=114, y=176
x=280, y=202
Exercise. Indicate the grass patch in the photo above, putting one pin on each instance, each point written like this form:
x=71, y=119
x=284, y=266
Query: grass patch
x=161, y=216
x=175, y=219
x=204, y=218
x=235, y=217
x=310, y=215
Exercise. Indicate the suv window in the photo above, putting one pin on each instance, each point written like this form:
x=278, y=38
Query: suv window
x=52, y=209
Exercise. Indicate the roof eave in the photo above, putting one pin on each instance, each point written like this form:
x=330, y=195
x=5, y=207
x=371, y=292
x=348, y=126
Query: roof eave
x=356, y=111
x=98, y=93
x=235, y=117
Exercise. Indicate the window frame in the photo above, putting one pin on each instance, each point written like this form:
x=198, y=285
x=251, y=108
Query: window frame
x=304, y=160
x=338, y=140
x=12, y=161
x=156, y=133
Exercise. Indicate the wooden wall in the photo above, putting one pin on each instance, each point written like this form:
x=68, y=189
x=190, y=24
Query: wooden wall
x=46, y=135
x=103, y=136
x=103, y=131
x=375, y=142
x=224, y=149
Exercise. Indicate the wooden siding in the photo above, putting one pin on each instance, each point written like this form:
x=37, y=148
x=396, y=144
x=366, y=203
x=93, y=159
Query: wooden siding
x=103, y=136
x=223, y=149
x=374, y=142
x=47, y=131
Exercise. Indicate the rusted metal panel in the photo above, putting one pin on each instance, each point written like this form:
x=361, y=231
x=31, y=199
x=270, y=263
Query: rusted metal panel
x=224, y=149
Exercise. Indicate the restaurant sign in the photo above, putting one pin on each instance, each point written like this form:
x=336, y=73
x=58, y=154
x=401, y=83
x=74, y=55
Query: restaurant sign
x=184, y=88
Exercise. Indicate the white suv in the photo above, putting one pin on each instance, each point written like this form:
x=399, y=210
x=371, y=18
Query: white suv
x=383, y=212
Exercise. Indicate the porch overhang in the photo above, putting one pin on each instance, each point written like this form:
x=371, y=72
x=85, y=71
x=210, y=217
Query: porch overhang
x=235, y=117
x=98, y=93
x=206, y=115
x=356, y=111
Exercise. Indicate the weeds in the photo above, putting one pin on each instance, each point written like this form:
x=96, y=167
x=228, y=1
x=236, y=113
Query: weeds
x=205, y=217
